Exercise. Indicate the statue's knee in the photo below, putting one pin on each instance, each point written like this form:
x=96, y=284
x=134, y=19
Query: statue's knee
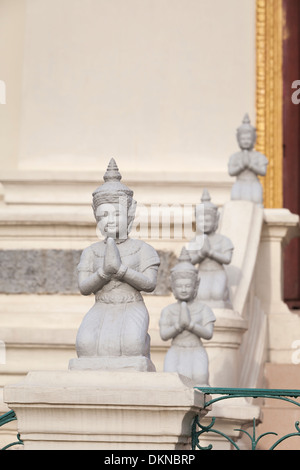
x=85, y=344
x=217, y=293
x=133, y=345
x=219, y=288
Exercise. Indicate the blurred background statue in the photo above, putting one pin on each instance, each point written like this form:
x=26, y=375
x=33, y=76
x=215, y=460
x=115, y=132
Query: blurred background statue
x=247, y=165
x=186, y=322
x=211, y=251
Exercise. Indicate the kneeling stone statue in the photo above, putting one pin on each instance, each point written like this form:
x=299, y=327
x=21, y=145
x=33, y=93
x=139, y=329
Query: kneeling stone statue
x=114, y=332
x=186, y=322
x=247, y=165
x=211, y=251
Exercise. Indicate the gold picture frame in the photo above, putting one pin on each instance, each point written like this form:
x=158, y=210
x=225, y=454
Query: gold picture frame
x=269, y=91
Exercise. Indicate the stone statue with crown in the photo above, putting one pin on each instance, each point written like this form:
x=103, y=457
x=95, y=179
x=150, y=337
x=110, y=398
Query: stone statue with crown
x=211, y=250
x=114, y=332
x=187, y=322
x=247, y=165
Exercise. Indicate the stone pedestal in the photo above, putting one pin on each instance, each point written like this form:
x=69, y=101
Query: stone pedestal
x=127, y=363
x=280, y=226
x=223, y=348
x=104, y=410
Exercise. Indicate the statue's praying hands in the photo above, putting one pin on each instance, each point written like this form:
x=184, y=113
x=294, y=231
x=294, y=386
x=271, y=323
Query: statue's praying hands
x=112, y=259
x=184, y=316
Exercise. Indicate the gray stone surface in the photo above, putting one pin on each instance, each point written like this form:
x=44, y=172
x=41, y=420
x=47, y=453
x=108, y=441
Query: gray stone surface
x=54, y=272
x=168, y=260
x=38, y=271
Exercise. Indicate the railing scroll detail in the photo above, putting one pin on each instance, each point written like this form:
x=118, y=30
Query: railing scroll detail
x=7, y=418
x=213, y=395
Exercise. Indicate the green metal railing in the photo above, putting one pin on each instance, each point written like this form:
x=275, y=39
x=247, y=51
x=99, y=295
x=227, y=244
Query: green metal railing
x=199, y=429
x=7, y=418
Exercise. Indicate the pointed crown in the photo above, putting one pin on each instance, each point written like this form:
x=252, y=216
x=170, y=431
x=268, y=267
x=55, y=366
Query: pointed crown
x=112, y=173
x=112, y=190
x=246, y=125
x=184, y=267
x=206, y=201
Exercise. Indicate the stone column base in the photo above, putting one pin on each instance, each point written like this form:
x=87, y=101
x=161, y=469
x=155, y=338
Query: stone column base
x=78, y=409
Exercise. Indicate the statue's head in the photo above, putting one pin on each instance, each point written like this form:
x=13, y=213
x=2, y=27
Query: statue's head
x=246, y=134
x=184, y=278
x=113, y=205
x=207, y=215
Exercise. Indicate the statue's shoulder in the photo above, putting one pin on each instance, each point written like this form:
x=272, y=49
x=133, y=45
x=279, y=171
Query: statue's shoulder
x=143, y=245
x=207, y=315
x=95, y=249
x=147, y=252
x=235, y=157
x=172, y=307
x=259, y=156
x=87, y=257
x=224, y=242
x=150, y=249
x=169, y=310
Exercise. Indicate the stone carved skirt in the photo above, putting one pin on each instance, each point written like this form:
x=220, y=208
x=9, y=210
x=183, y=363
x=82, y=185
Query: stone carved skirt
x=247, y=190
x=191, y=362
x=118, y=329
x=213, y=286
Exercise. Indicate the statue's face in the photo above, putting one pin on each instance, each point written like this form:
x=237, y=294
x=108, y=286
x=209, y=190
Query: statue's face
x=184, y=289
x=206, y=221
x=112, y=220
x=246, y=139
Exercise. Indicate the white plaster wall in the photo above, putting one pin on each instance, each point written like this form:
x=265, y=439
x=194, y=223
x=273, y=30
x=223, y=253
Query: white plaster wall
x=159, y=84
x=12, y=33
